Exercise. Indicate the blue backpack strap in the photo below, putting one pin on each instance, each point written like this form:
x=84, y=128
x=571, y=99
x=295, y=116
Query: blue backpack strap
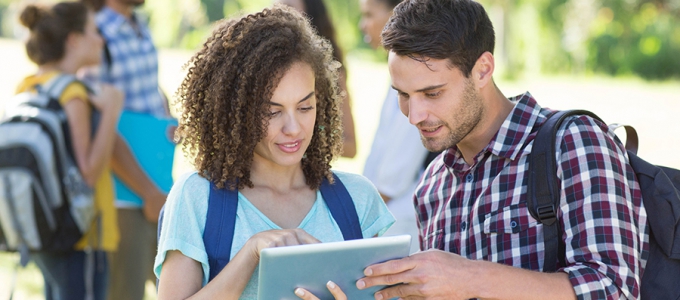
x=221, y=220
x=342, y=208
x=543, y=195
x=219, y=227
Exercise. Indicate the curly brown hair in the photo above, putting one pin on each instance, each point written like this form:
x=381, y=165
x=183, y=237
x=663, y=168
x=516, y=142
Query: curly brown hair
x=226, y=93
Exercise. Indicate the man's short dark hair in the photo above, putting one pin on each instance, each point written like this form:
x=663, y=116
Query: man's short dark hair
x=458, y=30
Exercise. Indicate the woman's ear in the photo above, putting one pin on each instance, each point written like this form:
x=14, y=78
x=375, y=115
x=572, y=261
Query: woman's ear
x=73, y=39
x=482, y=72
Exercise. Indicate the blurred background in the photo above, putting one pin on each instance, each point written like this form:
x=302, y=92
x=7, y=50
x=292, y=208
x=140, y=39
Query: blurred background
x=618, y=58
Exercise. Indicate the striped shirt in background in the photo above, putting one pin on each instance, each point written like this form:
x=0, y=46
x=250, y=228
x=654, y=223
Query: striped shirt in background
x=133, y=64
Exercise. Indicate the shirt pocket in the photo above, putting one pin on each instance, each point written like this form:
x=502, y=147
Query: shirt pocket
x=510, y=220
x=511, y=236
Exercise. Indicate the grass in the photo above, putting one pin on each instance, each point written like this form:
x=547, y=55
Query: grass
x=650, y=107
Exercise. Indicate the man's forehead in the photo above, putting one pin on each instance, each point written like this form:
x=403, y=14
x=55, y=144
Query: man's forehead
x=417, y=61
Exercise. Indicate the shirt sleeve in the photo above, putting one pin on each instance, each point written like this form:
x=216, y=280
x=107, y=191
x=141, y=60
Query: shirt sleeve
x=75, y=90
x=602, y=214
x=373, y=214
x=183, y=223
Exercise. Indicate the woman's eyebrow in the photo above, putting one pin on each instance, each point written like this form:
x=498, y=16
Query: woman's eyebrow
x=303, y=99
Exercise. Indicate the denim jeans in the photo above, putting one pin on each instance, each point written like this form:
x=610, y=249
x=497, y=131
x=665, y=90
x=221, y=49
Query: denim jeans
x=73, y=275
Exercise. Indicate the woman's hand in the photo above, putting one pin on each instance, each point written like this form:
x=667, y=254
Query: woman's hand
x=278, y=238
x=335, y=290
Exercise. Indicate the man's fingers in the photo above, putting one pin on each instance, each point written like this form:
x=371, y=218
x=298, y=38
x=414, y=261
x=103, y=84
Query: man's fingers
x=405, y=291
x=390, y=267
x=391, y=279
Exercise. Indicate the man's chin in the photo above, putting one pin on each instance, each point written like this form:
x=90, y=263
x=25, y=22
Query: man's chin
x=433, y=145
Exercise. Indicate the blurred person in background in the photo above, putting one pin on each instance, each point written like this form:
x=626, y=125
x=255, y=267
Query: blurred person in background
x=397, y=157
x=130, y=63
x=321, y=21
x=64, y=38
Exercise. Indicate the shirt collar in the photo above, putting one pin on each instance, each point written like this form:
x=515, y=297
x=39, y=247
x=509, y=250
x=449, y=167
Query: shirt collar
x=508, y=141
x=517, y=127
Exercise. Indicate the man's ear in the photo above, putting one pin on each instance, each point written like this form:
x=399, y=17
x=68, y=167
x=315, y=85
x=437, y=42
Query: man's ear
x=482, y=72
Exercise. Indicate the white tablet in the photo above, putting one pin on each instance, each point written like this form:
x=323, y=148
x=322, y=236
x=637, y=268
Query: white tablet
x=312, y=266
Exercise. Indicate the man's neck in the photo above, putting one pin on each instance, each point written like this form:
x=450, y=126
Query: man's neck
x=121, y=8
x=497, y=109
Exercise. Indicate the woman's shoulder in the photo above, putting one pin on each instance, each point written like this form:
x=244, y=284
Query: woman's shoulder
x=189, y=185
x=357, y=185
x=352, y=179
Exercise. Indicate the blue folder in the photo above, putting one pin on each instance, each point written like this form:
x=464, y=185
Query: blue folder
x=149, y=140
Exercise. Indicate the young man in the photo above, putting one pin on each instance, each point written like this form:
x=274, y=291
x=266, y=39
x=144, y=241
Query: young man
x=131, y=65
x=471, y=201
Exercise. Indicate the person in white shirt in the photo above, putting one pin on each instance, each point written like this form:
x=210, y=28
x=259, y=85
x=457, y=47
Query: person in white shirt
x=397, y=156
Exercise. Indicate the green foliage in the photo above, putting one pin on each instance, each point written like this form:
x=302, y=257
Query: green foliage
x=624, y=37
x=644, y=41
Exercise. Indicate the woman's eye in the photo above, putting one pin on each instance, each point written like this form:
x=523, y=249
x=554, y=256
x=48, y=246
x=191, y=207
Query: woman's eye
x=274, y=113
x=307, y=108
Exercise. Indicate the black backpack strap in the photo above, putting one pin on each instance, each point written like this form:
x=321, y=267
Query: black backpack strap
x=543, y=195
x=342, y=208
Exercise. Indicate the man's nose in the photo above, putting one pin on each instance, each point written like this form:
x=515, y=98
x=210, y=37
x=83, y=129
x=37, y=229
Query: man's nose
x=417, y=111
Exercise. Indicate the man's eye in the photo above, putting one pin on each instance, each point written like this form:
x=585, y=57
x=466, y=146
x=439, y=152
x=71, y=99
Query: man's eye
x=432, y=95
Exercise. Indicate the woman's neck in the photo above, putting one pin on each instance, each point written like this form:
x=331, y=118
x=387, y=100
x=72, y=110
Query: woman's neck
x=276, y=177
x=65, y=65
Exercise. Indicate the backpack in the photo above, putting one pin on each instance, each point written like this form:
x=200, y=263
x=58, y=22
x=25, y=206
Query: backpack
x=45, y=205
x=660, y=187
x=221, y=220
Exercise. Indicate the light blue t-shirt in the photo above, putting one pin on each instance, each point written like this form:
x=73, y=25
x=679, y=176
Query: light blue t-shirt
x=187, y=206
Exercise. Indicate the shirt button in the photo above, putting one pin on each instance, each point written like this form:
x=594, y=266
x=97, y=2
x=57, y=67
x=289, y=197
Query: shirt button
x=469, y=177
x=513, y=224
x=463, y=226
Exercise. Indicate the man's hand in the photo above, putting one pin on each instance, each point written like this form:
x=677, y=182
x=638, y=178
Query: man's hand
x=153, y=202
x=431, y=274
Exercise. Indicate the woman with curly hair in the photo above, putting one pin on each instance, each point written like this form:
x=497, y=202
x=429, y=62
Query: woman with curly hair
x=260, y=114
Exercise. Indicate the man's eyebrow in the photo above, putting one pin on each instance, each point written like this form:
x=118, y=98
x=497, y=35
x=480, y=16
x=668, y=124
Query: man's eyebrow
x=429, y=88
x=303, y=99
x=425, y=89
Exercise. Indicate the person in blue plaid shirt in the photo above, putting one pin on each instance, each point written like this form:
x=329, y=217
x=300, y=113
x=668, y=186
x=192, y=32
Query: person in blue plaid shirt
x=130, y=63
x=479, y=237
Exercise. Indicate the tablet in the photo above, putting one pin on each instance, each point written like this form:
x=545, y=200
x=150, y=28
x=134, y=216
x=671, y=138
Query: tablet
x=312, y=266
